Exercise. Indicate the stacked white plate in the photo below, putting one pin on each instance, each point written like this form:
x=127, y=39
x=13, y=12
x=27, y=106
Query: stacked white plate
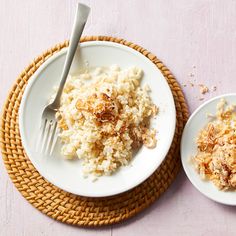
x=67, y=174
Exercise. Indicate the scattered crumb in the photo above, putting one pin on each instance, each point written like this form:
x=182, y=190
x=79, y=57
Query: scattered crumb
x=192, y=85
x=213, y=88
x=203, y=89
x=194, y=67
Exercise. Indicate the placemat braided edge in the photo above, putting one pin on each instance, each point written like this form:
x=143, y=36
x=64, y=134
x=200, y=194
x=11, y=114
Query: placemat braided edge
x=69, y=208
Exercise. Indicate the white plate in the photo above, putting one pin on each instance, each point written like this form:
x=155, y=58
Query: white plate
x=196, y=122
x=67, y=174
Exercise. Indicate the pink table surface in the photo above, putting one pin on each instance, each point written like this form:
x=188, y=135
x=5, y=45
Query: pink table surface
x=189, y=36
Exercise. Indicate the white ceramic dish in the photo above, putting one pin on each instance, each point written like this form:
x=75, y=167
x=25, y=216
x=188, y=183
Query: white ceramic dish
x=196, y=122
x=67, y=174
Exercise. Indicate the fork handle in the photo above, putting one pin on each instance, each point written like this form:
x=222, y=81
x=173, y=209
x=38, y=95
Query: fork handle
x=81, y=16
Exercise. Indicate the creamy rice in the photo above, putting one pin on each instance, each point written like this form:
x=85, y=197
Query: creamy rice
x=216, y=156
x=104, y=116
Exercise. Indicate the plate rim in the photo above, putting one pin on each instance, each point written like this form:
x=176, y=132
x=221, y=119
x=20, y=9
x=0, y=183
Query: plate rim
x=40, y=70
x=185, y=166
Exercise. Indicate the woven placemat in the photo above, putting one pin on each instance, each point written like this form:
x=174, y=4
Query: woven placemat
x=67, y=207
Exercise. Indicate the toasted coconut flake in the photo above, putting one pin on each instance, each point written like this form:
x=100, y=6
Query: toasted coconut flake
x=203, y=89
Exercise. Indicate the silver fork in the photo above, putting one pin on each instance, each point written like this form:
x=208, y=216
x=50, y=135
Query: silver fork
x=49, y=123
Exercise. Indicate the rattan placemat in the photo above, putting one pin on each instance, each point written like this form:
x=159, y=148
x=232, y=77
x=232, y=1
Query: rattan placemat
x=67, y=207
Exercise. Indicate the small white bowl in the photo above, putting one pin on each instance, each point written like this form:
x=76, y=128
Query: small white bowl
x=196, y=122
x=67, y=174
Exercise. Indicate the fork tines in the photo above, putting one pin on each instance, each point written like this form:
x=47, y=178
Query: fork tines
x=47, y=137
